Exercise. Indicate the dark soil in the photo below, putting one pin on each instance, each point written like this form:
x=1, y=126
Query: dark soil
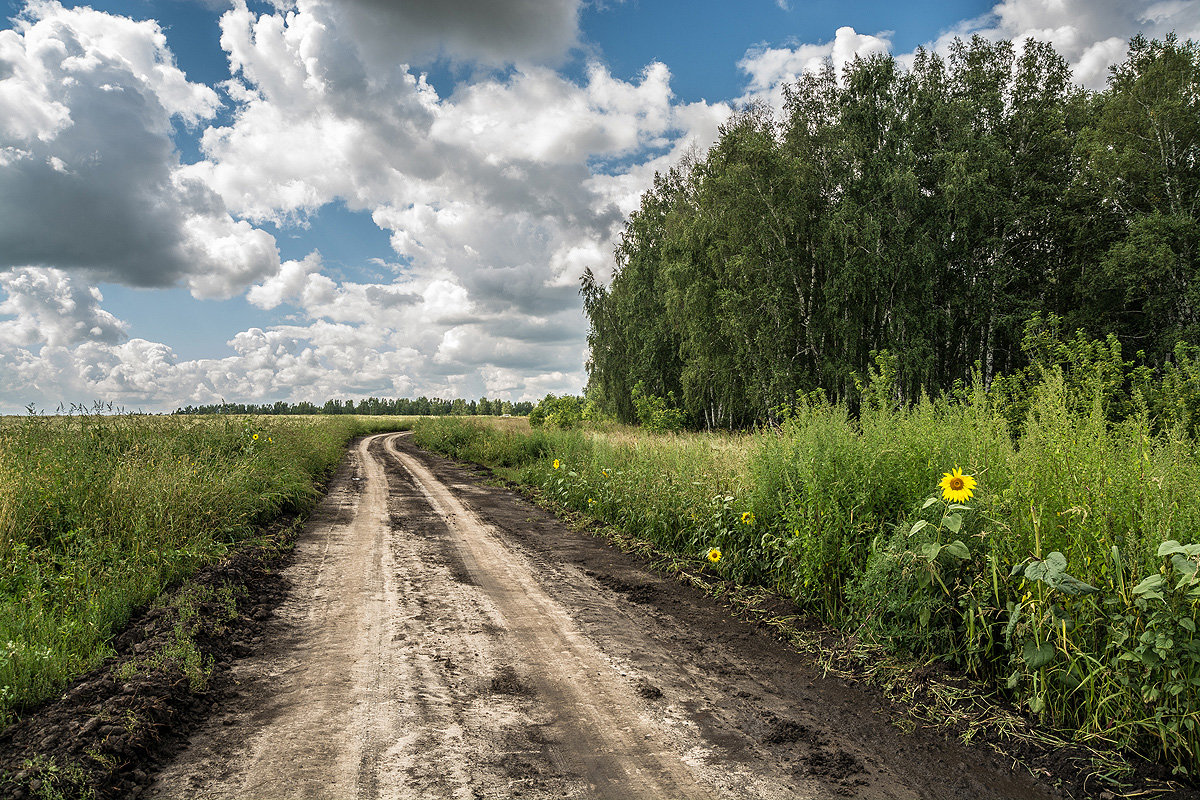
x=103, y=737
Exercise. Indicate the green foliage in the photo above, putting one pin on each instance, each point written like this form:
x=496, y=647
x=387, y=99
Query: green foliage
x=895, y=232
x=657, y=414
x=564, y=412
x=99, y=513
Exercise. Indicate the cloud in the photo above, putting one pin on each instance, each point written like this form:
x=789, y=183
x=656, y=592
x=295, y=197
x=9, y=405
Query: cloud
x=490, y=31
x=496, y=196
x=89, y=176
x=1091, y=34
x=493, y=189
x=60, y=344
x=50, y=309
x=770, y=66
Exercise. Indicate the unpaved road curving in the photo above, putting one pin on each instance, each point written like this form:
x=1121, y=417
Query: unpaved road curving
x=447, y=639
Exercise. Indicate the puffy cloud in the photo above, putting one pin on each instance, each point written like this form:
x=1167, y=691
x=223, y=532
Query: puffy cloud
x=89, y=175
x=49, y=308
x=496, y=185
x=302, y=362
x=1091, y=34
x=769, y=67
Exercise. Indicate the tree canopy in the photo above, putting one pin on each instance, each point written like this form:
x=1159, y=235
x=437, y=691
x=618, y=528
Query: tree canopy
x=922, y=215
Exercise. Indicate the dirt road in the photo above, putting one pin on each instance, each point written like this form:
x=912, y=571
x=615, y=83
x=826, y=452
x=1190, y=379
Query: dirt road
x=446, y=639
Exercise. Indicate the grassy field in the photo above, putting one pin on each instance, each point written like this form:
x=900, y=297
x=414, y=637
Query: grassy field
x=99, y=513
x=1067, y=581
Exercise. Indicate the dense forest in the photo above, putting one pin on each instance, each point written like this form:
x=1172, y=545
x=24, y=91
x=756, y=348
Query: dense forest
x=373, y=406
x=923, y=214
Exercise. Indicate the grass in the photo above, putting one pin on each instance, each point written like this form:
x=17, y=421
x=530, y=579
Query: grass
x=100, y=513
x=1052, y=586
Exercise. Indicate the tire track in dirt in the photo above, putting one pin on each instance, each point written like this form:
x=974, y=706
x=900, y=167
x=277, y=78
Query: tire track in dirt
x=448, y=640
x=598, y=731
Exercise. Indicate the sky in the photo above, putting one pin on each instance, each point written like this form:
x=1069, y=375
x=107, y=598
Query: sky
x=206, y=201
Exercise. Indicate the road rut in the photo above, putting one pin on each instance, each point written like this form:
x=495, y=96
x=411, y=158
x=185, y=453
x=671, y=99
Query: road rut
x=446, y=639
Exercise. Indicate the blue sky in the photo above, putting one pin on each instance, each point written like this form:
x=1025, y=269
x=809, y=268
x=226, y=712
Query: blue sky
x=203, y=200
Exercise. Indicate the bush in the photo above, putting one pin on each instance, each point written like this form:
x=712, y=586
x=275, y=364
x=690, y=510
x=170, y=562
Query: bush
x=563, y=413
x=657, y=414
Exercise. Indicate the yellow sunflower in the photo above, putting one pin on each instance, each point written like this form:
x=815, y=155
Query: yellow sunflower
x=557, y=464
x=714, y=554
x=747, y=518
x=956, y=487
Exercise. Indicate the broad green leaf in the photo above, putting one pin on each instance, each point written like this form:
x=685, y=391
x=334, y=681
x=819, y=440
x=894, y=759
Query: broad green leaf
x=1014, y=616
x=929, y=502
x=918, y=525
x=958, y=549
x=1037, y=655
x=1170, y=547
x=1068, y=584
x=1150, y=587
x=1183, y=565
x=953, y=522
x=1051, y=565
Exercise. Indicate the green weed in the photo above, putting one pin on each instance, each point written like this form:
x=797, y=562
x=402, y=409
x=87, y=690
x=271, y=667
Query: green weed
x=99, y=513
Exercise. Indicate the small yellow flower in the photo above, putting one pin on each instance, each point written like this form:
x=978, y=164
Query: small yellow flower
x=270, y=440
x=255, y=437
x=590, y=501
x=557, y=464
x=714, y=555
x=747, y=518
x=956, y=487
x=605, y=472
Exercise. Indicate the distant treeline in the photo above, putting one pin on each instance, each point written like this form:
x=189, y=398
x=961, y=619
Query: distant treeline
x=925, y=214
x=422, y=406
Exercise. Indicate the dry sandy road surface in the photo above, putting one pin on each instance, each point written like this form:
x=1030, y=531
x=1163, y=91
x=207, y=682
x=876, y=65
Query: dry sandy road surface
x=447, y=639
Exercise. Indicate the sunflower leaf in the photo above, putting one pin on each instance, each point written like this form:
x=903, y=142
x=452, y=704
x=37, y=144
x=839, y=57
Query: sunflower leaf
x=953, y=522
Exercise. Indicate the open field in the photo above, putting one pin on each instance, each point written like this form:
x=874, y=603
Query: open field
x=99, y=513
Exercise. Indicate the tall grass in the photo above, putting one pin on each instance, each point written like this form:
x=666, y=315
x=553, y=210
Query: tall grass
x=99, y=513
x=1053, y=583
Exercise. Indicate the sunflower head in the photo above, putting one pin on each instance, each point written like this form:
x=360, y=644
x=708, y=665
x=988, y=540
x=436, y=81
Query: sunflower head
x=747, y=518
x=956, y=487
x=557, y=464
x=714, y=554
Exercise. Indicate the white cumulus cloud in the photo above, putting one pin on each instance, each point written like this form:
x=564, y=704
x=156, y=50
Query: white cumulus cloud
x=89, y=176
